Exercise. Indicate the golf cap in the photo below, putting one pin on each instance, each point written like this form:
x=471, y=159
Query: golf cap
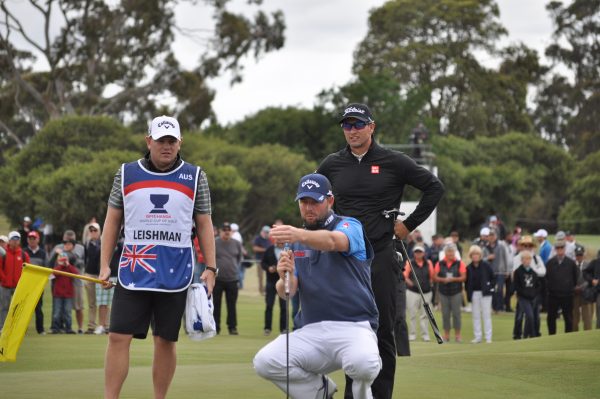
x=266, y=229
x=418, y=248
x=560, y=235
x=27, y=219
x=3, y=238
x=235, y=227
x=33, y=234
x=493, y=218
x=226, y=226
x=579, y=250
x=315, y=186
x=94, y=225
x=162, y=126
x=485, y=231
x=14, y=235
x=358, y=111
x=541, y=233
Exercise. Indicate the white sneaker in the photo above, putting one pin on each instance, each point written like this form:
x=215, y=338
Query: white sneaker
x=328, y=389
x=476, y=341
x=99, y=330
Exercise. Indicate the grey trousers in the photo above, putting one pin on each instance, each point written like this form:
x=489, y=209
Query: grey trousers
x=451, y=308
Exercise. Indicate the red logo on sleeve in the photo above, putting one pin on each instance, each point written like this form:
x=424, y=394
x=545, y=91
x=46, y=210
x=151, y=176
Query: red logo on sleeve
x=374, y=169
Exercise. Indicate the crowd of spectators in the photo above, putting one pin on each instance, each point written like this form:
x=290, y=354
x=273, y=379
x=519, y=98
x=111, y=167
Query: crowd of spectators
x=507, y=272
x=502, y=271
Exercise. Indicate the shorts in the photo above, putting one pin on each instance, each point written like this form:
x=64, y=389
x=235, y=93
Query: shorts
x=104, y=297
x=133, y=312
x=78, y=298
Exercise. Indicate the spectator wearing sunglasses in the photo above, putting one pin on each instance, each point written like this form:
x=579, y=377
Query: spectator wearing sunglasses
x=562, y=275
x=368, y=179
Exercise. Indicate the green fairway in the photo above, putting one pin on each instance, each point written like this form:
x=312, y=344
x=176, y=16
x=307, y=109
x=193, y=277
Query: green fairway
x=63, y=366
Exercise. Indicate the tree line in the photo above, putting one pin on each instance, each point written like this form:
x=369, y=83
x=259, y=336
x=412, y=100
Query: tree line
x=520, y=139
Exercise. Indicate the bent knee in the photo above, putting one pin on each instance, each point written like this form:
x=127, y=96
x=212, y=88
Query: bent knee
x=365, y=368
x=265, y=365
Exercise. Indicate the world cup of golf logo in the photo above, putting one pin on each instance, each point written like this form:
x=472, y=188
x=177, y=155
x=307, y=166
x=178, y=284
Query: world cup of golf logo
x=159, y=201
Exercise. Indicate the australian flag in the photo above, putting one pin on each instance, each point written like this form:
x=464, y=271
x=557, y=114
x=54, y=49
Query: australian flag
x=155, y=267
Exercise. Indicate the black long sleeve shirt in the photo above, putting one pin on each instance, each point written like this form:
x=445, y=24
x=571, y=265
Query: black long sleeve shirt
x=364, y=189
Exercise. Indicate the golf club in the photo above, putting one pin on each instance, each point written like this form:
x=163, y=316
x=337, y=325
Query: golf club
x=286, y=248
x=395, y=213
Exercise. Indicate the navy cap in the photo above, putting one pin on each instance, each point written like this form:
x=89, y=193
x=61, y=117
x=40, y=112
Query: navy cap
x=358, y=111
x=315, y=186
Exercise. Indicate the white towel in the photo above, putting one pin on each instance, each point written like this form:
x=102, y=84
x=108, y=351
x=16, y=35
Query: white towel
x=199, y=321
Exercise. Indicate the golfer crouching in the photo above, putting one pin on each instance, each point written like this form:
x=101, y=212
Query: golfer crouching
x=329, y=266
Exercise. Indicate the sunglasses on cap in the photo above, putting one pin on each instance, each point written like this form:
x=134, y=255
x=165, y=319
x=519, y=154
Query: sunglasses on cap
x=358, y=125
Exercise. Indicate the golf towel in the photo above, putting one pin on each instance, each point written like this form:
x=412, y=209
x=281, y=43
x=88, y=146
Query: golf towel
x=199, y=321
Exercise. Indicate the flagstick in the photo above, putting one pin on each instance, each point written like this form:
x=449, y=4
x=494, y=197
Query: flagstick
x=72, y=275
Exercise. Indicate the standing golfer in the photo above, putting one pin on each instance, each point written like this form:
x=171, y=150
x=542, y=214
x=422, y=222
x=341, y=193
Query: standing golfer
x=160, y=197
x=330, y=268
x=368, y=179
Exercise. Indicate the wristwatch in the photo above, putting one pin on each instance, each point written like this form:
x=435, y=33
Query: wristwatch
x=215, y=270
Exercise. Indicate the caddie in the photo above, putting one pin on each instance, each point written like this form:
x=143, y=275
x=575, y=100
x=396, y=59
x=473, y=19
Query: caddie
x=159, y=199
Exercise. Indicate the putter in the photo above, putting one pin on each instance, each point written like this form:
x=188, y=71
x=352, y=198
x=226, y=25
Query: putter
x=286, y=247
x=436, y=331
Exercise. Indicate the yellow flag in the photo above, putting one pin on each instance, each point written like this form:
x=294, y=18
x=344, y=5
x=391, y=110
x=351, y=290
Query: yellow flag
x=27, y=294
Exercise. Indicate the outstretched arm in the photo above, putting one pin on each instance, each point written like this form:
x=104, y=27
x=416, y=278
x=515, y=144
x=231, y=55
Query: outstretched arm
x=322, y=240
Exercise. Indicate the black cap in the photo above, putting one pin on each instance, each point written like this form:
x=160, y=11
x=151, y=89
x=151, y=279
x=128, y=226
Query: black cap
x=579, y=250
x=358, y=111
x=226, y=226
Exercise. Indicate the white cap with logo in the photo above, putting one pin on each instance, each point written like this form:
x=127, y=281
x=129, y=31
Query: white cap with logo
x=14, y=235
x=162, y=126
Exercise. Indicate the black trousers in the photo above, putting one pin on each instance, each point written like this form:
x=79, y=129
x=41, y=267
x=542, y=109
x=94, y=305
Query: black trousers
x=231, y=293
x=384, y=279
x=270, y=295
x=508, y=293
x=565, y=303
x=400, y=327
x=39, y=316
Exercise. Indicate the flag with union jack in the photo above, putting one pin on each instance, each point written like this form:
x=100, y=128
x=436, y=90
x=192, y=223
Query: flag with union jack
x=155, y=267
x=137, y=255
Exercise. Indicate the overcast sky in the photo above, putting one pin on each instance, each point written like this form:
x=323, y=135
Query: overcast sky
x=321, y=37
